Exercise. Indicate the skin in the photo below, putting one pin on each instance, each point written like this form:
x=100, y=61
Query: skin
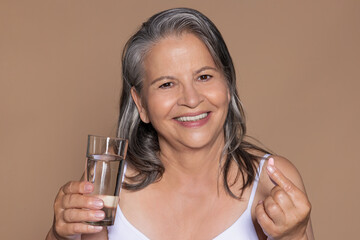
x=189, y=202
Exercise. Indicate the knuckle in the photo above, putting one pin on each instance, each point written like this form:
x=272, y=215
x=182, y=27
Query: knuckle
x=307, y=208
x=279, y=195
x=58, y=227
x=58, y=213
x=66, y=186
x=261, y=216
x=288, y=188
x=305, y=204
x=61, y=189
x=275, y=189
x=272, y=207
x=60, y=193
x=69, y=215
x=71, y=198
x=77, y=228
x=71, y=186
x=57, y=205
x=58, y=198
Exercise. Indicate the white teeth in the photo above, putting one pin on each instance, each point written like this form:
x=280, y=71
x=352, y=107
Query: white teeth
x=192, y=118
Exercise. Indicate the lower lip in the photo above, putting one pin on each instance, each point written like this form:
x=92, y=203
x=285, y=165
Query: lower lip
x=194, y=124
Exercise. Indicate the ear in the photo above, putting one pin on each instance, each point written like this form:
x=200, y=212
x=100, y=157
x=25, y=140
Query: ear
x=142, y=111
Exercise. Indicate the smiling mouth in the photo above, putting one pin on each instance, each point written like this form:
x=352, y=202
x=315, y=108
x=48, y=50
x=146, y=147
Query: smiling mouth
x=192, y=118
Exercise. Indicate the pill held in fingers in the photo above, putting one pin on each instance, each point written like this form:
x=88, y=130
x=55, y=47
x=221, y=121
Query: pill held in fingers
x=270, y=166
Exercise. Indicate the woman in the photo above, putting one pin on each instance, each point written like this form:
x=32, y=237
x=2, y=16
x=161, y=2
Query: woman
x=190, y=173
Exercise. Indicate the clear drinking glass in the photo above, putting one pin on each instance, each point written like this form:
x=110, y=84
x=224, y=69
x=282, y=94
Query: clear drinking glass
x=105, y=158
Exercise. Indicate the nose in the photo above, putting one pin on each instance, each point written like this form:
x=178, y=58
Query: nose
x=190, y=96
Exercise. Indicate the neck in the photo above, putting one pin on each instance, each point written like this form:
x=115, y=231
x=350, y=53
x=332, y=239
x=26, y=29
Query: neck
x=192, y=171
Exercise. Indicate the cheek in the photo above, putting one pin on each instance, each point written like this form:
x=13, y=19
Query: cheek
x=220, y=97
x=159, y=106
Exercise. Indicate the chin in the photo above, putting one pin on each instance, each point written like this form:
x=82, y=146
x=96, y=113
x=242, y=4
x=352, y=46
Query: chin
x=197, y=142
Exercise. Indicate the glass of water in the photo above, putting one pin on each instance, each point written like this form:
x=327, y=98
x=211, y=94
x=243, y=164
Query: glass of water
x=105, y=159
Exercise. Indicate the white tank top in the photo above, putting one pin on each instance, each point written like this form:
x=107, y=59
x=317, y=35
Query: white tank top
x=241, y=229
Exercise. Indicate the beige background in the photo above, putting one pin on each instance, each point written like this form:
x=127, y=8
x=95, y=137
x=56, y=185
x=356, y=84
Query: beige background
x=298, y=70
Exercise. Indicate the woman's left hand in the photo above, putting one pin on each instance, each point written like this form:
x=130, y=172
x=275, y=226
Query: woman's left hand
x=285, y=213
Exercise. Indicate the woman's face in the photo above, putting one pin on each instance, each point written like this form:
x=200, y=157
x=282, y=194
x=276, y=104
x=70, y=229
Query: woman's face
x=184, y=96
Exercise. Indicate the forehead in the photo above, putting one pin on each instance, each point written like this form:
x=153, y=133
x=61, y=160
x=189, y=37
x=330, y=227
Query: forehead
x=177, y=52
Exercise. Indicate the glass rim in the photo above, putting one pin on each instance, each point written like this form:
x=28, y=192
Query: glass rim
x=107, y=137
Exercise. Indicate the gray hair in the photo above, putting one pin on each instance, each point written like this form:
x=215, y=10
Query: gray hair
x=143, y=142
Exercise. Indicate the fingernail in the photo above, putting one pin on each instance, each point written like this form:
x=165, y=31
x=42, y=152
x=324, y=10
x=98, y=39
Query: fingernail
x=98, y=203
x=260, y=202
x=100, y=214
x=98, y=228
x=88, y=188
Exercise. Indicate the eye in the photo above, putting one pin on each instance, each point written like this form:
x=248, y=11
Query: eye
x=166, y=85
x=204, y=77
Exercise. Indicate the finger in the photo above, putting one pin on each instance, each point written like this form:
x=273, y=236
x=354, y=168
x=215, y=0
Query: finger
x=81, y=215
x=279, y=178
x=78, y=187
x=81, y=201
x=263, y=219
x=282, y=198
x=66, y=229
x=274, y=211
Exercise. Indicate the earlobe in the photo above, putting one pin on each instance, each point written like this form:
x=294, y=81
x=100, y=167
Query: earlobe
x=142, y=111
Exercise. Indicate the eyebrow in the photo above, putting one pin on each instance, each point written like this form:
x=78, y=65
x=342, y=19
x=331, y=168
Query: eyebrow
x=174, y=78
x=205, y=68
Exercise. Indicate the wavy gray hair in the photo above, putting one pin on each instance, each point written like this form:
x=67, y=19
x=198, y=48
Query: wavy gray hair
x=143, y=142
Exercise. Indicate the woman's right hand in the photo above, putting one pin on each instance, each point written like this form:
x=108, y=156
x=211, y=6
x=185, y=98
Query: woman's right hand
x=72, y=208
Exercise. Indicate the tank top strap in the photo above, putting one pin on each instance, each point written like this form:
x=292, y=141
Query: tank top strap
x=257, y=177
